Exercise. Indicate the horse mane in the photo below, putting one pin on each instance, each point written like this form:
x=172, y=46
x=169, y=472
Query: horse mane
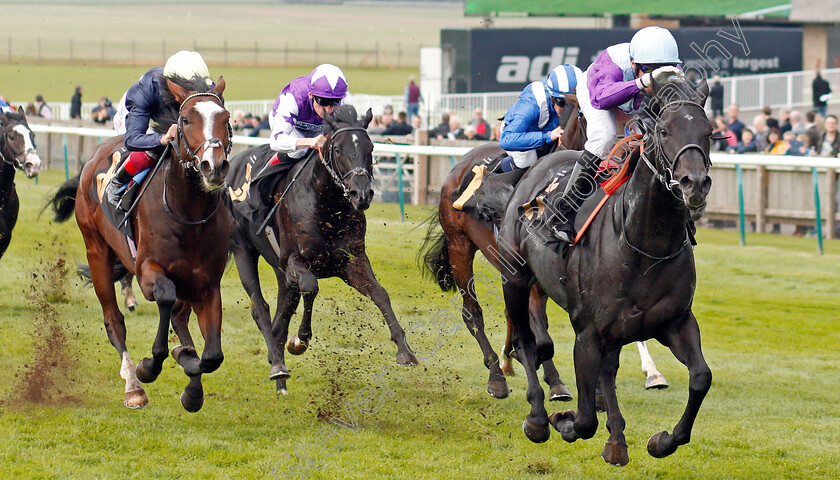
x=15, y=116
x=170, y=108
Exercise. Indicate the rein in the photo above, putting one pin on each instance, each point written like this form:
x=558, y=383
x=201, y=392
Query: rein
x=180, y=220
x=329, y=162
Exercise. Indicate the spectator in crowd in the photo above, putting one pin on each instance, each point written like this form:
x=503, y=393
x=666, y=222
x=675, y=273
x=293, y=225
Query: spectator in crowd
x=104, y=112
x=41, y=107
x=829, y=145
x=747, y=143
x=31, y=110
x=784, y=120
x=722, y=129
x=400, y=127
x=799, y=145
x=380, y=123
x=821, y=93
x=497, y=130
x=771, y=121
x=482, y=128
x=416, y=123
x=258, y=124
x=810, y=120
x=442, y=129
x=735, y=125
x=456, y=131
x=237, y=121
x=796, y=125
x=469, y=133
x=412, y=98
x=716, y=95
x=776, y=145
x=76, y=103
x=759, y=125
x=4, y=105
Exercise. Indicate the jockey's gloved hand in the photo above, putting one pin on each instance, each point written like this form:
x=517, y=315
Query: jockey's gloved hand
x=645, y=81
x=663, y=74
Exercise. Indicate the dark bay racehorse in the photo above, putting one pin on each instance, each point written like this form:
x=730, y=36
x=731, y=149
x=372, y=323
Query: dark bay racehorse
x=317, y=231
x=449, y=254
x=182, y=239
x=17, y=152
x=631, y=278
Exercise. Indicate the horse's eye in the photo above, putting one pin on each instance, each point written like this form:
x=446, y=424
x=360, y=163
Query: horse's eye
x=185, y=120
x=663, y=133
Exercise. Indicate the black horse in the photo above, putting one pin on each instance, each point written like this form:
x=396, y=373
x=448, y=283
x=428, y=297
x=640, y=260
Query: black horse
x=631, y=278
x=17, y=152
x=316, y=231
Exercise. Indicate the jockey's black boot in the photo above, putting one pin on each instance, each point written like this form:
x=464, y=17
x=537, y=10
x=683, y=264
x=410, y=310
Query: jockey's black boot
x=580, y=186
x=117, y=181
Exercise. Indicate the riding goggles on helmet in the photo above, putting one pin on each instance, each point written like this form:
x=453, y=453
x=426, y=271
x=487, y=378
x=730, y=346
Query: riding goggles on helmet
x=327, y=102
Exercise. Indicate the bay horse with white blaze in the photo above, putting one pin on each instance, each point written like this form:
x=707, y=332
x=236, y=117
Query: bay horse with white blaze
x=181, y=236
x=17, y=152
x=630, y=278
x=317, y=230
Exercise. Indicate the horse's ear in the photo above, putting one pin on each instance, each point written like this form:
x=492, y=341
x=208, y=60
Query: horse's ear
x=702, y=91
x=180, y=93
x=220, y=87
x=20, y=110
x=367, y=118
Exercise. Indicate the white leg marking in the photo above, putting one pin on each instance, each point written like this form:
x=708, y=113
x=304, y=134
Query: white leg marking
x=127, y=373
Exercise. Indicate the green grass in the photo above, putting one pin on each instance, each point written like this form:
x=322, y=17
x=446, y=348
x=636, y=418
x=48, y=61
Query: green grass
x=56, y=82
x=768, y=315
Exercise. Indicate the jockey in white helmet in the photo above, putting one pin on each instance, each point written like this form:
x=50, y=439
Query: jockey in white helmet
x=534, y=120
x=616, y=81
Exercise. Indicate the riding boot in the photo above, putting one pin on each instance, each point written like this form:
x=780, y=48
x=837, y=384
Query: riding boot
x=580, y=186
x=117, y=181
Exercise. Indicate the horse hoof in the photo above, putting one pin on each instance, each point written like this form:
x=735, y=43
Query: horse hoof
x=655, y=447
x=145, y=371
x=536, y=433
x=296, y=346
x=559, y=393
x=406, y=359
x=277, y=372
x=656, y=381
x=192, y=404
x=498, y=388
x=615, y=454
x=600, y=403
x=136, y=399
x=565, y=424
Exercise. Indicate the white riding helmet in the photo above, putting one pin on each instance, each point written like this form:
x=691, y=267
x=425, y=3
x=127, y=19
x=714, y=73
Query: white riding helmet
x=187, y=65
x=654, y=45
x=563, y=80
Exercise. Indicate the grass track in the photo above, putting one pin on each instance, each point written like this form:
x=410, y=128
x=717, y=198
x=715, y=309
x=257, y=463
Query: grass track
x=768, y=315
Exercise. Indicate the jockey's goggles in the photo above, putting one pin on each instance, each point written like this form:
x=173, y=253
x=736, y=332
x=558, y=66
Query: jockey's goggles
x=653, y=66
x=327, y=102
x=559, y=101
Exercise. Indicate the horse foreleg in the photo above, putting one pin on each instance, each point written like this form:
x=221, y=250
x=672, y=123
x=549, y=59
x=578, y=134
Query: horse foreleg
x=583, y=423
x=101, y=261
x=535, y=425
x=304, y=281
x=461, y=255
x=298, y=344
x=209, y=314
x=653, y=379
x=246, y=264
x=180, y=322
x=287, y=302
x=163, y=292
x=684, y=342
x=359, y=275
x=537, y=309
x=615, y=450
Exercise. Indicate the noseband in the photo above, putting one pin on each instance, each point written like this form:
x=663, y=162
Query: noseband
x=329, y=162
x=654, y=140
x=192, y=160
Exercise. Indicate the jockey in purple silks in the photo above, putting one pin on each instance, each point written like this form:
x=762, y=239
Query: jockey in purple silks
x=616, y=82
x=297, y=116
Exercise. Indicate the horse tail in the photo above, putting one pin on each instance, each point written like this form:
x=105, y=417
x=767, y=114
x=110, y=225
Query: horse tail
x=119, y=272
x=434, y=255
x=64, y=201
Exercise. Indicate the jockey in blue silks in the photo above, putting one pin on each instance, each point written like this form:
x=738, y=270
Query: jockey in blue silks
x=534, y=120
x=298, y=113
x=617, y=81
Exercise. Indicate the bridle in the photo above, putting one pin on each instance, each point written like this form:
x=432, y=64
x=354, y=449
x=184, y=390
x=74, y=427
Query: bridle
x=328, y=160
x=653, y=139
x=15, y=160
x=192, y=161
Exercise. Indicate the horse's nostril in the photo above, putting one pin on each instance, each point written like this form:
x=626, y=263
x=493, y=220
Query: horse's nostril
x=223, y=170
x=354, y=194
x=686, y=183
x=370, y=193
x=706, y=186
x=206, y=167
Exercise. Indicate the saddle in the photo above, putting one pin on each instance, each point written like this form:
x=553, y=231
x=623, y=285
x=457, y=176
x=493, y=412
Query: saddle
x=252, y=181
